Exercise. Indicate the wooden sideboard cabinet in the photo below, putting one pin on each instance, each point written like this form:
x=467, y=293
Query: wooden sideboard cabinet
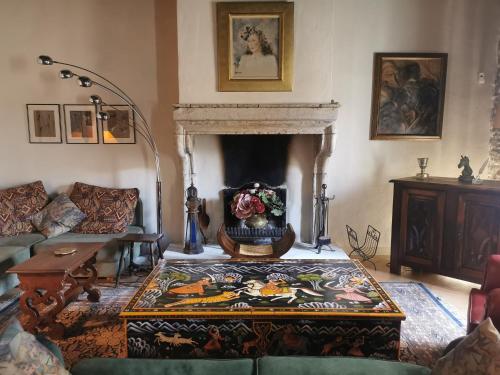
x=440, y=225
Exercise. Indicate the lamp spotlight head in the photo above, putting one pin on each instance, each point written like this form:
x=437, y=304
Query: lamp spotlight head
x=102, y=115
x=65, y=74
x=84, y=81
x=45, y=60
x=95, y=99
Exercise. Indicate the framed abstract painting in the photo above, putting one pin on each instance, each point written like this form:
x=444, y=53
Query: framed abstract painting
x=44, y=123
x=408, y=95
x=255, y=46
x=119, y=127
x=81, y=124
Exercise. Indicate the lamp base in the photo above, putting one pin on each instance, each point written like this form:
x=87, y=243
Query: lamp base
x=422, y=175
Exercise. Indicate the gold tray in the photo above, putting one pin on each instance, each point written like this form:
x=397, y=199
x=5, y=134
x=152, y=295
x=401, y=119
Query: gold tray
x=65, y=251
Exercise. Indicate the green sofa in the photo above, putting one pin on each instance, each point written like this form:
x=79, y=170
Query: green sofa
x=17, y=249
x=261, y=366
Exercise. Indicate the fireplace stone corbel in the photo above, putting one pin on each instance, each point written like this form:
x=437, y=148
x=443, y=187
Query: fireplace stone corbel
x=219, y=119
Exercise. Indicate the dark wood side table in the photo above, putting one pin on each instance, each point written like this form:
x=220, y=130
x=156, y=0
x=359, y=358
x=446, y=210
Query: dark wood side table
x=132, y=238
x=48, y=283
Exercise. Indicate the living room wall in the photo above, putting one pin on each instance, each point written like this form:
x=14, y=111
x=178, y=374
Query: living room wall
x=334, y=45
x=133, y=43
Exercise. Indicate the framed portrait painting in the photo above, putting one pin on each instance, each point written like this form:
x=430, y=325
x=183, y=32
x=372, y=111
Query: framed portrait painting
x=408, y=95
x=44, y=123
x=119, y=127
x=81, y=123
x=255, y=46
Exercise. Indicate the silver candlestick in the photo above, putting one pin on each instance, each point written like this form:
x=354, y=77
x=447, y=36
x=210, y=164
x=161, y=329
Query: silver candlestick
x=422, y=163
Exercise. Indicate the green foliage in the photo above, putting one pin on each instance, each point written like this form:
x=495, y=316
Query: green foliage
x=272, y=202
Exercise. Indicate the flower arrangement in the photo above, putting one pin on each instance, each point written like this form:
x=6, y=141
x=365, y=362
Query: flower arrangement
x=249, y=202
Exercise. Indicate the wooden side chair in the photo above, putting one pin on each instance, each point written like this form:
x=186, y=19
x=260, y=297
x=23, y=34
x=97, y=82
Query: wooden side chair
x=369, y=248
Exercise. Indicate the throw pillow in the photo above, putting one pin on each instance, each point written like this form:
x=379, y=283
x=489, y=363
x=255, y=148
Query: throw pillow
x=18, y=205
x=478, y=353
x=21, y=353
x=108, y=210
x=58, y=217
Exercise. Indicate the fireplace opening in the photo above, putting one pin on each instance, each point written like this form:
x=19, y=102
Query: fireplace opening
x=254, y=164
x=251, y=158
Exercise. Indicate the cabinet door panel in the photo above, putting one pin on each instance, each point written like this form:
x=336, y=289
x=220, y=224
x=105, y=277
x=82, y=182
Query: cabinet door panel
x=478, y=230
x=422, y=228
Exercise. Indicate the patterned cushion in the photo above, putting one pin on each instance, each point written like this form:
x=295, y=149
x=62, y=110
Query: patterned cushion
x=478, y=353
x=21, y=353
x=58, y=217
x=18, y=205
x=108, y=210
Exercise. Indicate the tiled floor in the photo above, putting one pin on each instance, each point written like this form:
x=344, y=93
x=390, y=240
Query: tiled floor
x=453, y=292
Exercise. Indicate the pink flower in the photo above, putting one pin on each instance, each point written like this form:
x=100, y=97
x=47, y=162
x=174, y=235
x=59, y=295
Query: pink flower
x=245, y=205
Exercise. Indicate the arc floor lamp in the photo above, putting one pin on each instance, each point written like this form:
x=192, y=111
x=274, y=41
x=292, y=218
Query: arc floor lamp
x=142, y=127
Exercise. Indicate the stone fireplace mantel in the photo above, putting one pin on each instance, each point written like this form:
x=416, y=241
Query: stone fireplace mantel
x=241, y=119
x=193, y=119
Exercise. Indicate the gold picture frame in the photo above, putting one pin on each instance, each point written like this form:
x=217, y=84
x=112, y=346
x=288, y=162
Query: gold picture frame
x=255, y=46
x=408, y=96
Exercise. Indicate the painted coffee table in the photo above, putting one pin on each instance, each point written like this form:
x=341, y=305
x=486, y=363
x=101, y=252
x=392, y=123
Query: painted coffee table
x=250, y=308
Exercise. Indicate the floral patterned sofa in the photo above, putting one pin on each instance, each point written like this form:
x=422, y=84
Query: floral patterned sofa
x=20, y=239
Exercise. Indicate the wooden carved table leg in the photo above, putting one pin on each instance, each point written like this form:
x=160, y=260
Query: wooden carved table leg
x=87, y=284
x=41, y=301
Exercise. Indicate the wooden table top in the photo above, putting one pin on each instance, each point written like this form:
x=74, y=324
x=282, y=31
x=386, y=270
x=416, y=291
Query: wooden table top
x=449, y=183
x=249, y=287
x=47, y=262
x=141, y=237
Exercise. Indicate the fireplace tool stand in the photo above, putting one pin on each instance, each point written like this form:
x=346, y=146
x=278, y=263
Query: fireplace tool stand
x=321, y=208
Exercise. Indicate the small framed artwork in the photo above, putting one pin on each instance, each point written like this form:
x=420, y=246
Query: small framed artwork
x=255, y=46
x=44, y=123
x=119, y=128
x=81, y=124
x=408, y=95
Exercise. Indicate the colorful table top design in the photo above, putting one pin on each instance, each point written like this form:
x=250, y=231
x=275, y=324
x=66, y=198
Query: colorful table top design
x=252, y=288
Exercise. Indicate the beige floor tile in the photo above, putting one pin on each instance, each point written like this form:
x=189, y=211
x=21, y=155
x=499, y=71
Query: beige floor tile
x=453, y=292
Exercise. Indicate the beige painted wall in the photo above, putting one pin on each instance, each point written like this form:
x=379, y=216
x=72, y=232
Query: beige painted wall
x=133, y=43
x=334, y=45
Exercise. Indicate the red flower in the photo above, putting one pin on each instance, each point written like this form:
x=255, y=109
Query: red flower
x=259, y=206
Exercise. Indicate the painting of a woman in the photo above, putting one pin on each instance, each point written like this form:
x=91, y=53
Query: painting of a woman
x=258, y=61
x=255, y=45
x=255, y=48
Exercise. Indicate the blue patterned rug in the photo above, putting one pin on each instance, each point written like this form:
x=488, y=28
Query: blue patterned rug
x=95, y=330
x=429, y=326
